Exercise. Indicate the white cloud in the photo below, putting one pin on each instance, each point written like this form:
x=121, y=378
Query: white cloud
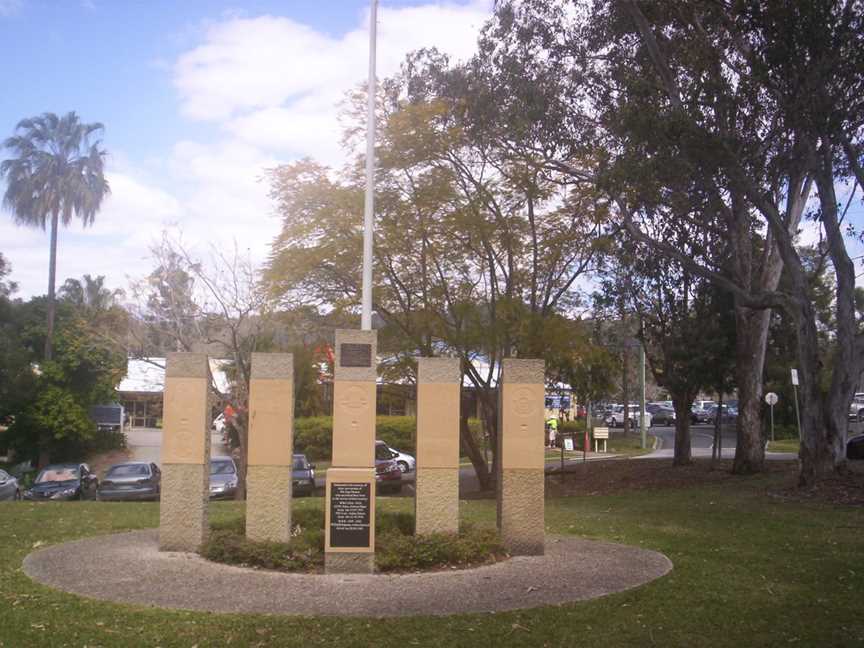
x=277, y=84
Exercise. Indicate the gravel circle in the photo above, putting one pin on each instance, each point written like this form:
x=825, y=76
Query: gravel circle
x=129, y=568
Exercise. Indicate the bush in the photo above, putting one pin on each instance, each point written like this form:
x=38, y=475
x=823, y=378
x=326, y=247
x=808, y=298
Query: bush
x=398, y=552
x=313, y=435
x=572, y=427
x=397, y=549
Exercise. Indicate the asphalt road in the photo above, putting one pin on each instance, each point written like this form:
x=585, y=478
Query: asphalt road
x=701, y=441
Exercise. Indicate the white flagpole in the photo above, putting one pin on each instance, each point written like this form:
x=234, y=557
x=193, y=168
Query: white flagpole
x=369, y=210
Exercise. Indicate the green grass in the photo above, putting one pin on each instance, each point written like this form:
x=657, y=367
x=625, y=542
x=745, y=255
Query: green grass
x=784, y=445
x=749, y=570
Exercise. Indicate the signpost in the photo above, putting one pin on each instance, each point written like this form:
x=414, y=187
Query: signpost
x=771, y=399
x=795, y=390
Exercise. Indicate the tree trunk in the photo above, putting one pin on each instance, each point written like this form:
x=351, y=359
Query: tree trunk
x=242, y=425
x=751, y=339
x=816, y=454
x=475, y=454
x=52, y=280
x=682, y=406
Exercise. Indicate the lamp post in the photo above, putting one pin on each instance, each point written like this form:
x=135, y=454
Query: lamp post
x=369, y=206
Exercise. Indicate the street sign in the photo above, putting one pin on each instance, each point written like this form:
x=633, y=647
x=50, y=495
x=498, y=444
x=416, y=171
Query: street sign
x=771, y=398
x=795, y=377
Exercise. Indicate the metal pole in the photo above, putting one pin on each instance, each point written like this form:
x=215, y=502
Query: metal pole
x=642, y=429
x=369, y=207
x=797, y=413
x=772, y=423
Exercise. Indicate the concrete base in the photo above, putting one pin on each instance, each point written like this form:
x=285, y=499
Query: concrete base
x=185, y=495
x=521, y=511
x=437, y=501
x=349, y=563
x=268, y=503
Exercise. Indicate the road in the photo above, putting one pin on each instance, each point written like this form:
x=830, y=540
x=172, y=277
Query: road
x=701, y=441
x=145, y=444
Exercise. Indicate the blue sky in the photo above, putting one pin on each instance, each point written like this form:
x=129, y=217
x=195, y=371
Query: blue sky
x=198, y=98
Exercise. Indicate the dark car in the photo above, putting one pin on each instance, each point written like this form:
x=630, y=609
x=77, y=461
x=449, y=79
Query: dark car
x=223, y=478
x=855, y=447
x=303, y=476
x=663, y=416
x=388, y=476
x=133, y=480
x=68, y=481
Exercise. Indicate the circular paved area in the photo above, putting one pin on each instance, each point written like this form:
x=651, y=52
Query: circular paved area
x=128, y=568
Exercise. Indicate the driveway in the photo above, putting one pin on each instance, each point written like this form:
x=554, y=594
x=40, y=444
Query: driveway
x=145, y=444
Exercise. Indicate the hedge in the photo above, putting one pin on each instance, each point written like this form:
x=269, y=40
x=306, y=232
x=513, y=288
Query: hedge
x=313, y=435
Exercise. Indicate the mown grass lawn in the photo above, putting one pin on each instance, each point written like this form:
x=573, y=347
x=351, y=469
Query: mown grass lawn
x=750, y=570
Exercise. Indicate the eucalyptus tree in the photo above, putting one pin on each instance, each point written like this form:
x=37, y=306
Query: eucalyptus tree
x=756, y=105
x=56, y=173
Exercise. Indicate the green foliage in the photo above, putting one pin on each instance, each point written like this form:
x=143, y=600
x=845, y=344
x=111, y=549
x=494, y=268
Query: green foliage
x=471, y=546
x=396, y=548
x=51, y=399
x=313, y=435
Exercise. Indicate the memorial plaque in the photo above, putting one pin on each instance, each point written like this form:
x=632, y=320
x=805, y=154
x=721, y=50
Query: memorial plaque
x=350, y=506
x=355, y=355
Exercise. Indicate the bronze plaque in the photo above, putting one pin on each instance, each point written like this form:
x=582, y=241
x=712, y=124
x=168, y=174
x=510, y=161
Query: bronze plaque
x=355, y=355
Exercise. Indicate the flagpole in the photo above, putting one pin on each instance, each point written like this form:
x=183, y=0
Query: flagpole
x=369, y=207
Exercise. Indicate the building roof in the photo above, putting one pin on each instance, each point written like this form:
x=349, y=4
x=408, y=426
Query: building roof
x=147, y=375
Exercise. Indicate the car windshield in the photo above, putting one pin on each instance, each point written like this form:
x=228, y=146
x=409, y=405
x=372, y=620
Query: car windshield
x=299, y=464
x=221, y=467
x=129, y=470
x=57, y=474
x=383, y=452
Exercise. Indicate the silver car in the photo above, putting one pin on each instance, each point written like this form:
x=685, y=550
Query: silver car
x=223, y=478
x=133, y=480
x=405, y=462
x=9, y=489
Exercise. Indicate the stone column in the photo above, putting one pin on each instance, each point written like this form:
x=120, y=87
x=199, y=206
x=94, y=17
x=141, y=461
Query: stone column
x=271, y=447
x=349, y=532
x=437, y=488
x=521, y=478
x=185, y=453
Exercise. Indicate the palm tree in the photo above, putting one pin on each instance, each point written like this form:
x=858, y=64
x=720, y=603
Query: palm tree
x=90, y=294
x=57, y=172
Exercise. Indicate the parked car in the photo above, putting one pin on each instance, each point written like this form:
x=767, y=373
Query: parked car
x=728, y=414
x=133, y=480
x=663, y=416
x=302, y=476
x=67, y=481
x=855, y=447
x=699, y=415
x=388, y=476
x=615, y=418
x=405, y=461
x=9, y=488
x=856, y=408
x=223, y=478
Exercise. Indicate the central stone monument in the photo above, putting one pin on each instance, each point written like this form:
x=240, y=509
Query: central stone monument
x=349, y=533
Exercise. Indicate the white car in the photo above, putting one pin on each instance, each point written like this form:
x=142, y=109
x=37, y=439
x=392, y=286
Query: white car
x=856, y=409
x=405, y=462
x=615, y=418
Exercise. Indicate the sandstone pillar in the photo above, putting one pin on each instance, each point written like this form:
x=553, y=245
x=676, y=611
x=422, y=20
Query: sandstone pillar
x=185, y=453
x=349, y=543
x=437, y=486
x=521, y=479
x=271, y=447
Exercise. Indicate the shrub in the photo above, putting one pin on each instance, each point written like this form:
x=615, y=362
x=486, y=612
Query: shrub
x=313, y=435
x=397, y=549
